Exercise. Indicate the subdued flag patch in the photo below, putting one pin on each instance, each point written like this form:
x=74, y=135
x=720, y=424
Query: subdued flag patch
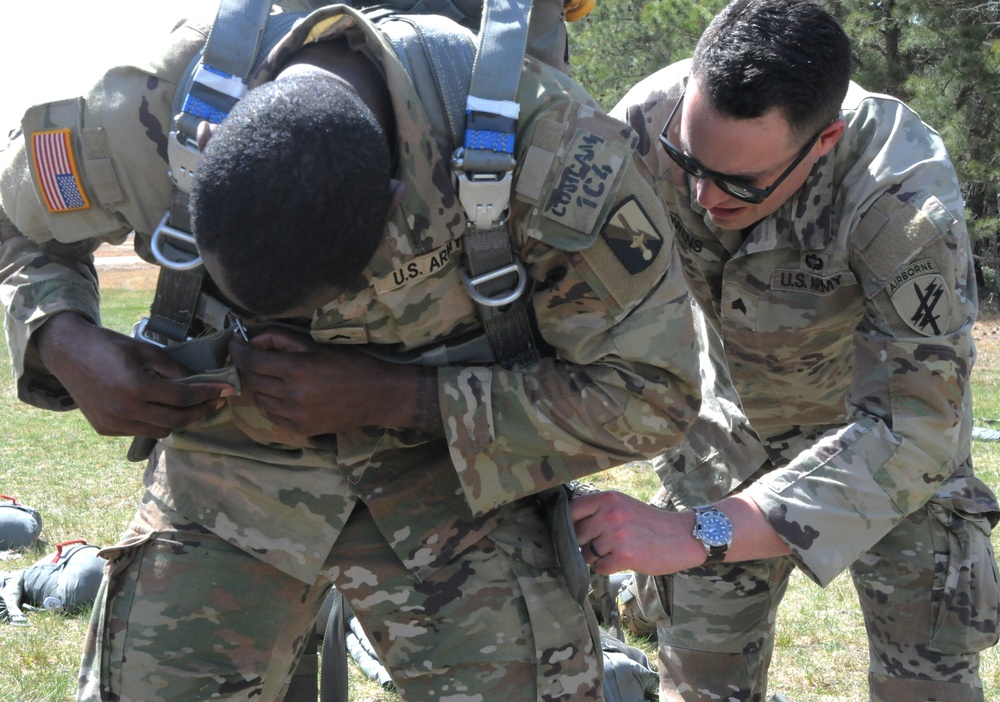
x=57, y=173
x=632, y=237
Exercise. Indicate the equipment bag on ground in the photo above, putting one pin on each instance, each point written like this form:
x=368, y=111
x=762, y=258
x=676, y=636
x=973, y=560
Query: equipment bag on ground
x=20, y=525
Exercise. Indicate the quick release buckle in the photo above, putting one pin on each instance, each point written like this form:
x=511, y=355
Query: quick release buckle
x=161, y=236
x=183, y=157
x=140, y=332
x=485, y=196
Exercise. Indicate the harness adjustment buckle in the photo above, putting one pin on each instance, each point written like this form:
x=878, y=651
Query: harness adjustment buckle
x=501, y=299
x=485, y=197
x=183, y=157
x=141, y=333
x=163, y=233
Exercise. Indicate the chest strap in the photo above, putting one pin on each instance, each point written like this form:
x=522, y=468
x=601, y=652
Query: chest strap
x=483, y=167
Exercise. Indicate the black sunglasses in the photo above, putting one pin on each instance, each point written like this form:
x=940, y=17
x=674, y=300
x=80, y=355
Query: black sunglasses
x=736, y=188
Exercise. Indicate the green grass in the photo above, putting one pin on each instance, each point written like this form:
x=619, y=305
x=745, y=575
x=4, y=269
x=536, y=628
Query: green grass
x=86, y=489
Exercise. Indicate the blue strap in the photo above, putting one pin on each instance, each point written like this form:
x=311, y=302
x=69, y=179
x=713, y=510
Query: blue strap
x=492, y=110
x=219, y=81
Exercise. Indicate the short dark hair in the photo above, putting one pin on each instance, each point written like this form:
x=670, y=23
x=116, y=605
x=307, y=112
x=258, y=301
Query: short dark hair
x=792, y=55
x=292, y=192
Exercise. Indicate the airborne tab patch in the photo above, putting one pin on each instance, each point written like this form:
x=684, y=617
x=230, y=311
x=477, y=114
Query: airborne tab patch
x=58, y=177
x=632, y=237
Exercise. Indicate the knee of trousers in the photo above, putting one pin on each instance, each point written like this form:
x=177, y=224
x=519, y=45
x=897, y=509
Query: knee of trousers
x=185, y=615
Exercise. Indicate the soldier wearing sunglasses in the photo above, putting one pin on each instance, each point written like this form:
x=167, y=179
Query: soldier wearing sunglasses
x=822, y=231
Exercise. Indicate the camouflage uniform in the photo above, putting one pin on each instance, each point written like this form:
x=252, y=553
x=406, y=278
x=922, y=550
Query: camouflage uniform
x=846, y=321
x=440, y=546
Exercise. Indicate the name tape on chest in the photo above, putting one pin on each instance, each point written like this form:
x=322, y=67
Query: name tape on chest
x=795, y=280
x=418, y=269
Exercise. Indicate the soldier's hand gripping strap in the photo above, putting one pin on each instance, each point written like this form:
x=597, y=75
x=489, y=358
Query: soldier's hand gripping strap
x=204, y=356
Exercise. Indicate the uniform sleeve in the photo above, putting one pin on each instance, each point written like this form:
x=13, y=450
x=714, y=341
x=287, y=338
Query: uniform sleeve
x=82, y=172
x=622, y=381
x=38, y=281
x=909, y=404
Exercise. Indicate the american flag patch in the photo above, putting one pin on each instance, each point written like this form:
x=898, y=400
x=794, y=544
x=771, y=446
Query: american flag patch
x=57, y=173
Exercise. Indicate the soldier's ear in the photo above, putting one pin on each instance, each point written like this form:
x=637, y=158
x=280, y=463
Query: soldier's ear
x=396, y=190
x=830, y=135
x=204, y=133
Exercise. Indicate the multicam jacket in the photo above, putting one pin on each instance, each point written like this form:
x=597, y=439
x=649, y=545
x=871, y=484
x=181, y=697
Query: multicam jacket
x=846, y=319
x=622, y=381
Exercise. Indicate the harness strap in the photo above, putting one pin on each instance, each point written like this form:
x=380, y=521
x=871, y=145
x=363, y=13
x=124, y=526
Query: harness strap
x=217, y=83
x=172, y=311
x=494, y=277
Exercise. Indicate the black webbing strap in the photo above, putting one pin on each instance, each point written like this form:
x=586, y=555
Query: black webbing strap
x=508, y=328
x=175, y=302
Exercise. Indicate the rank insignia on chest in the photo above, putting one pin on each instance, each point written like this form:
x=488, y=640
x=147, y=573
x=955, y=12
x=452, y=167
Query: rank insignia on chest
x=632, y=237
x=55, y=167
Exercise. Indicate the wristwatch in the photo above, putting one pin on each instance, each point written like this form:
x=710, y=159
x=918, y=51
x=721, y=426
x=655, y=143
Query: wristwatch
x=714, y=530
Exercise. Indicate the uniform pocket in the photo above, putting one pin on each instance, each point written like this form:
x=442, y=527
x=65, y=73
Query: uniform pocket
x=654, y=593
x=966, y=594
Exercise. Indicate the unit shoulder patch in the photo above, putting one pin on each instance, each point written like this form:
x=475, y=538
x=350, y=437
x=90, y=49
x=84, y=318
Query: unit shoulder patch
x=923, y=303
x=632, y=236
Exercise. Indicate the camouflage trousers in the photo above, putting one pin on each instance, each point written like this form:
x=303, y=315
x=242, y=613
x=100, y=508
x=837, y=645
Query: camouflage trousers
x=928, y=592
x=182, y=615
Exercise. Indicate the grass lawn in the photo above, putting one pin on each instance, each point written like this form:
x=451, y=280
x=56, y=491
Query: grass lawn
x=86, y=489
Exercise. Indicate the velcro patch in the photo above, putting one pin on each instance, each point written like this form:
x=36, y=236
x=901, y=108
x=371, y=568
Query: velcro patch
x=796, y=280
x=418, y=268
x=922, y=302
x=739, y=305
x=586, y=180
x=55, y=166
x=911, y=271
x=340, y=335
x=632, y=236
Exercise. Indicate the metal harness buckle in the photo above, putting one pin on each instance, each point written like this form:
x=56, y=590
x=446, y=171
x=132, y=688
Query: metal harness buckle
x=499, y=300
x=139, y=332
x=183, y=157
x=165, y=231
x=485, y=196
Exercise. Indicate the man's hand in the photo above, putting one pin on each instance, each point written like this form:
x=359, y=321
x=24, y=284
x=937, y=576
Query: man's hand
x=122, y=386
x=312, y=389
x=617, y=532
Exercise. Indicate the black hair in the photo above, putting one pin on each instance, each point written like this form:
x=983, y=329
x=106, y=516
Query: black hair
x=792, y=55
x=292, y=192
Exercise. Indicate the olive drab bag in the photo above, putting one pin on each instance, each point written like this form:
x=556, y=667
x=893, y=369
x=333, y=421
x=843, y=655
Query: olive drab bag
x=64, y=581
x=20, y=525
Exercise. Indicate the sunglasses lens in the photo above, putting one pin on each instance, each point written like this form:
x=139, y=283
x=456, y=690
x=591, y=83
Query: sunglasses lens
x=738, y=191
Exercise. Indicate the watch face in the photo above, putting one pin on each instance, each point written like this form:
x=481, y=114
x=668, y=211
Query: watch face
x=715, y=529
